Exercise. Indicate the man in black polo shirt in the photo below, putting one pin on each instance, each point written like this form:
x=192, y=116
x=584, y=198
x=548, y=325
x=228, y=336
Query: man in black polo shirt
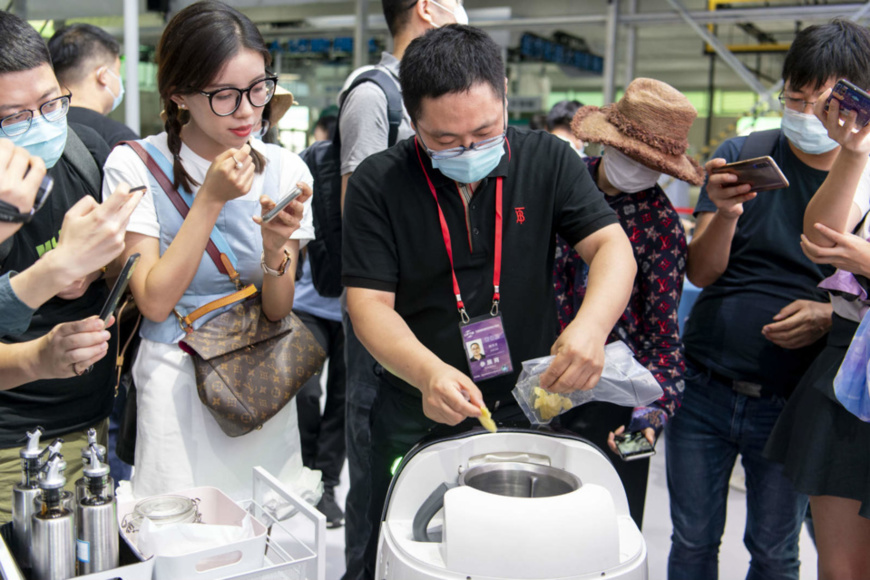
x=467, y=196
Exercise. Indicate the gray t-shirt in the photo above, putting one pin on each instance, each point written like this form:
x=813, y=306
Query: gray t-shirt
x=364, y=124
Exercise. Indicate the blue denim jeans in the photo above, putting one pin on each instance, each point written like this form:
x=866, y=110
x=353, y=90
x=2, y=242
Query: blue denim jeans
x=705, y=435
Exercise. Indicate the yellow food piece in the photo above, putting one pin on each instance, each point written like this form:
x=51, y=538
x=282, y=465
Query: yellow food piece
x=550, y=404
x=486, y=420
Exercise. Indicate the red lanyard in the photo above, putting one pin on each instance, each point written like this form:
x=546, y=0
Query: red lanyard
x=445, y=233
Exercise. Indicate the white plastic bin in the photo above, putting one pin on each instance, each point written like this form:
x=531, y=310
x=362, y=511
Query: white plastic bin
x=216, y=508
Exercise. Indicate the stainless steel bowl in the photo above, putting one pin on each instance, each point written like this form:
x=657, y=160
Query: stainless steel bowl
x=520, y=479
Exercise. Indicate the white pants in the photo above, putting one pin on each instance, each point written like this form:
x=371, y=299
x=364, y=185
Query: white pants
x=179, y=445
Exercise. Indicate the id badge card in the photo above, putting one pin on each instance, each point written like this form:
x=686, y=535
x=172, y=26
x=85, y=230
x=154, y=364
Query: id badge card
x=486, y=347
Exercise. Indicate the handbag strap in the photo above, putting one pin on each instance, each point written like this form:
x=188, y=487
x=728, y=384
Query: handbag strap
x=221, y=260
x=119, y=350
x=223, y=263
x=186, y=322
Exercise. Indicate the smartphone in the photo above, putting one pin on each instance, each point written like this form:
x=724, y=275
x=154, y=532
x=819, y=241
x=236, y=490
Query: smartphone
x=119, y=287
x=270, y=215
x=853, y=99
x=762, y=173
x=632, y=446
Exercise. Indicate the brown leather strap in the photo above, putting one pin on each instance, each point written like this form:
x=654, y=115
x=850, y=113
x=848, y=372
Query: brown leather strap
x=121, y=351
x=186, y=322
x=223, y=263
x=181, y=206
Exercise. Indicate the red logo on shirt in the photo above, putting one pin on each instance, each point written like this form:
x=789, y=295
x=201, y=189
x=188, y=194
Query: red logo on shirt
x=520, y=215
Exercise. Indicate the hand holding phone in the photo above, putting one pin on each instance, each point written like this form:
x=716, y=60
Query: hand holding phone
x=851, y=98
x=761, y=173
x=633, y=445
x=279, y=207
x=118, y=289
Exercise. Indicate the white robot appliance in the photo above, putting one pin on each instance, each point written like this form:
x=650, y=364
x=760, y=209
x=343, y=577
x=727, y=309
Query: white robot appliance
x=517, y=504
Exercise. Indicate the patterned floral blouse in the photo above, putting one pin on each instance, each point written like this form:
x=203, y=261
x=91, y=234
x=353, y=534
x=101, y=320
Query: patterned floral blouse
x=649, y=325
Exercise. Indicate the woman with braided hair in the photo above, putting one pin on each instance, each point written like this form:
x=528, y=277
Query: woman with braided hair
x=214, y=83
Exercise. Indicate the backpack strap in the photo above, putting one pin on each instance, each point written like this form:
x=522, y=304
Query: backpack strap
x=759, y=144
x=78, y=155
x=385, y=81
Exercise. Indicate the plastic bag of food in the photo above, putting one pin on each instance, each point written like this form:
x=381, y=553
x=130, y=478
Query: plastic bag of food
x=624, y=381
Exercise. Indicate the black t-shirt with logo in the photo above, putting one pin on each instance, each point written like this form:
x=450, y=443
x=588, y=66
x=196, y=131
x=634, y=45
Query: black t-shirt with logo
x=393, y=242
x=59, y=405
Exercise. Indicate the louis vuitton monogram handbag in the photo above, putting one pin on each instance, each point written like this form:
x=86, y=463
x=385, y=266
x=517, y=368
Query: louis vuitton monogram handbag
x=247, y=367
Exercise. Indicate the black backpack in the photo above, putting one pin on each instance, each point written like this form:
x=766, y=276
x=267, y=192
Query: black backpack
x=759, y=144
x=324, y=161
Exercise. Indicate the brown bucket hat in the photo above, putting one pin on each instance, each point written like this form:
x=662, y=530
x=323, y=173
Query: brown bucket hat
x=281, y=102
x=650, y=124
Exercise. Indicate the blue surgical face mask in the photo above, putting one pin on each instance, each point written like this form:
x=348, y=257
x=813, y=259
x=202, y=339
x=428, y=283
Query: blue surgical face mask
x=44, y=139
x=120, y=96
x=472, y=165
x=806, y=132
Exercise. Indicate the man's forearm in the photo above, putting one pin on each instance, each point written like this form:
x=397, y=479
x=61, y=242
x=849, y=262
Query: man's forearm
x=19, y=364
x=710, y=250
x=41, y=281
x=386, y=335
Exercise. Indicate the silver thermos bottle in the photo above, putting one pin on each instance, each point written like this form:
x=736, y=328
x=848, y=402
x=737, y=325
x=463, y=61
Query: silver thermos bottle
x=86, y=460
x=24, y=494
x=97, y=519
x=54, y=532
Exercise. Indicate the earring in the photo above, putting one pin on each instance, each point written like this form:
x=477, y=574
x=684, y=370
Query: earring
x=182, y=106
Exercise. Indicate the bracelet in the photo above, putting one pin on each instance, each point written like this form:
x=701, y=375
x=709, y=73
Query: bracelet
x=281, y=269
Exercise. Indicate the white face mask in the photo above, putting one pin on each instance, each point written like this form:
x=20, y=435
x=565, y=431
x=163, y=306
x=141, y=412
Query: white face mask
x=626, y=174
x=459, y=13
x=806, y=132
x=116, y=99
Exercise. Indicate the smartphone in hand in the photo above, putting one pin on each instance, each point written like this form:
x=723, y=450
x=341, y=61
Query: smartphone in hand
x=119, y=287
x=761, y=173
x=633, y=445
x=284, y=202
x=851, y=98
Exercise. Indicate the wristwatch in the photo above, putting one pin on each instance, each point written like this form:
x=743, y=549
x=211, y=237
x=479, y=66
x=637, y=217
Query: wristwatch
x=281, y=269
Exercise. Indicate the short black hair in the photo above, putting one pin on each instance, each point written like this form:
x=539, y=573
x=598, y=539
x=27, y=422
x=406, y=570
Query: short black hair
x=73, y=46
x=838, y=49
x=397, y=13
x=562, y=114
x=21, y=47
x=327, y=123
x=450, y=59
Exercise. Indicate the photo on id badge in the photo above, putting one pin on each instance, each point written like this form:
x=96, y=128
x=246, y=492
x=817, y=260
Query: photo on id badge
x=486, y=348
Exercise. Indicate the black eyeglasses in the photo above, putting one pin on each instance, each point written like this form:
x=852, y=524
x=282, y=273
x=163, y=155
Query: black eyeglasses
x=225, y=102
x=19, y=123
x=10, y=214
